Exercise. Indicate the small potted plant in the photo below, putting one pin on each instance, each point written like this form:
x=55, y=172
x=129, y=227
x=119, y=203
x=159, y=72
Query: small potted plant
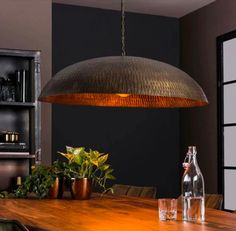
x=42, y=182
x=61, y=170
x=87, y=168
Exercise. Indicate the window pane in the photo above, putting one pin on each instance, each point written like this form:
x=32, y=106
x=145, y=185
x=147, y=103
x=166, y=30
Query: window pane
x=229, y=58
x=230, y=189
x=230, y=103
x=230, y=146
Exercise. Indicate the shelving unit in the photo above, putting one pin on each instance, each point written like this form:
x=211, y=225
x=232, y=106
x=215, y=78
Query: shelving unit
x=18, y=156
x=17, y=104
x=19, y=113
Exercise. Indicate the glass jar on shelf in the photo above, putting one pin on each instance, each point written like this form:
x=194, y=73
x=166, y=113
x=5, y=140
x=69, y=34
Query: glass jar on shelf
x=8, y=91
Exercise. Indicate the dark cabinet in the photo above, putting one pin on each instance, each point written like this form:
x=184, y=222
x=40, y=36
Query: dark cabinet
x=19, y=114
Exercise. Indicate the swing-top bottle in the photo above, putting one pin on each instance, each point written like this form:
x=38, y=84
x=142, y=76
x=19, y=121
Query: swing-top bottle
x=192, y=188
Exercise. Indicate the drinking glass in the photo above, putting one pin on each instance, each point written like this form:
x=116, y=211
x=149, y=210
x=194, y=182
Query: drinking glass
x=167, y=209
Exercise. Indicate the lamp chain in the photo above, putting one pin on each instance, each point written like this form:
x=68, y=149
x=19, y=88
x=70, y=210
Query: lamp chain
x=123, y=28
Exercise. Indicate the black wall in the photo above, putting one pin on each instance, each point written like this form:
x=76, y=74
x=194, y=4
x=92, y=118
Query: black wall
x=143, y=143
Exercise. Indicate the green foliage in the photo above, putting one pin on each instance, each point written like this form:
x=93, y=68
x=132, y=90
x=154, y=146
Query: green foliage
x=5, y=194
x=81, y=164
x=60, y=168
x=91, y=164
x=39, y=182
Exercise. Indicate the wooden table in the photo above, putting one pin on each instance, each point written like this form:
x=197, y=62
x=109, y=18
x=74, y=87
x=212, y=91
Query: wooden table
x=108, y=213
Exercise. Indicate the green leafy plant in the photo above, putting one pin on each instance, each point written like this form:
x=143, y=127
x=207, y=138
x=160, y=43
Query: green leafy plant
x=61, y=169
x=39, y=182
x=5, y=194
x=91, y=164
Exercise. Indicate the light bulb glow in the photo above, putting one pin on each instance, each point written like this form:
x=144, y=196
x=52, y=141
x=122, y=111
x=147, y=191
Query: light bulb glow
x=123, y=95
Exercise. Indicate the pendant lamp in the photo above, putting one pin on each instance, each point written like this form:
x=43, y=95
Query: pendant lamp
x=123, y=81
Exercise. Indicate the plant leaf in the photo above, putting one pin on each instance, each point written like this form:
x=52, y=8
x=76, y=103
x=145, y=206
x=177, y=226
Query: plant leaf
x=78, y=159
x=95, y=162
x=68, y=156
x=110, y=170
x=104, y=167
x=102, y=159
x=110, y=177
x=78, y=151
x=69, y=149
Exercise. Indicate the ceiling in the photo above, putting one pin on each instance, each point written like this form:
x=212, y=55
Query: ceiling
x=171, y=8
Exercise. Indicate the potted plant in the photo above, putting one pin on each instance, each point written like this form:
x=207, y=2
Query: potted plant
x=61, y=170
x=87, y=168
x=42, y=182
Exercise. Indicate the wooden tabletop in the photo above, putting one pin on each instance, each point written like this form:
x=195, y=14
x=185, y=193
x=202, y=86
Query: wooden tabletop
x=107, y=213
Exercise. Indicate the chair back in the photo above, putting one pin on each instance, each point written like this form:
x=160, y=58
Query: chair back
x=134, y=191
x=213, y=201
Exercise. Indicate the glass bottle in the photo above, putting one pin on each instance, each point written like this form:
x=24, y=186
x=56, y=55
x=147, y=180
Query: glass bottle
x=9, y=91
x=193, y=188
x=18, y=87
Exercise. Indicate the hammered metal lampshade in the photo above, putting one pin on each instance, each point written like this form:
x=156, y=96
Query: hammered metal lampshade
x=123, y=81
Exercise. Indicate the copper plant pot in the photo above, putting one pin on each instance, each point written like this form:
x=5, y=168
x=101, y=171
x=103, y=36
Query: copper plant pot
x=57, y=189
x=54, y=190
x=61, y=187
x=81, y=189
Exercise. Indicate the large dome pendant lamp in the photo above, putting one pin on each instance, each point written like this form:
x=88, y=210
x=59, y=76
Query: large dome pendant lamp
x=123, y=81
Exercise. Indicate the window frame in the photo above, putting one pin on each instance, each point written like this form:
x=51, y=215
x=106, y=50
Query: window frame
x=220, y=112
